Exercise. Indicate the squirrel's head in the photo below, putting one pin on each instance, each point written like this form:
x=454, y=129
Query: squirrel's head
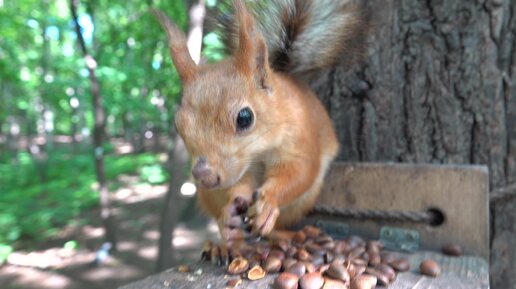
x=225, y=113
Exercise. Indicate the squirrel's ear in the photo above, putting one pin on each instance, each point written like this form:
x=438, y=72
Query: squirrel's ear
x=261, y=59
x=251, y=55
x=185, y=66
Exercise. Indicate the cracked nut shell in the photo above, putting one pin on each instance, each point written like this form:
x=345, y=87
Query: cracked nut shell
x=256, y=273
x=238, y=266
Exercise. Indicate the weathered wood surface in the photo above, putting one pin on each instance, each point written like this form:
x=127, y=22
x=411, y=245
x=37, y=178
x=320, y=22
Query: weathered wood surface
x=458, y=273
x=439, y=86
x=460, y=192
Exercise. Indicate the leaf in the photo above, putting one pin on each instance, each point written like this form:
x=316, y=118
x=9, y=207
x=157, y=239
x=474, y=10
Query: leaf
x=71, y=245
x=5, y=251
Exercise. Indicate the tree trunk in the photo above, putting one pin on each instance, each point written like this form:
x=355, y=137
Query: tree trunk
x=98, y=134
x=178, y=157
x=43, y=111
x=75, y=117
x=439, y=86
x=178, y=164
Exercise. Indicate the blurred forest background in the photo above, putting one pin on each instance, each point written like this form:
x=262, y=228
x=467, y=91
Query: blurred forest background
x=85, y=134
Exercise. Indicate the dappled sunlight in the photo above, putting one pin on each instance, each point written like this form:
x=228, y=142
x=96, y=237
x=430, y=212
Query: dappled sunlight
x=141, y=189
x=148, y=252
x=163, y=157
x=127, y=180
x=127, y=246
x=151, y=235
x=138, y=192
x=182, y=241
x=137, y=248
x=123, y=193
x=51, y=157
x=185, y=238
x=188, y=239
x=93, y=232
x=47, y=259
x=94, y=186
x=135, y=206
x=188, y=189
x=32, y=278
x=125, y=149
x=97, y=274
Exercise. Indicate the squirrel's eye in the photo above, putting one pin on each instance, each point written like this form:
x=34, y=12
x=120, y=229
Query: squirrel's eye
x=244, y=119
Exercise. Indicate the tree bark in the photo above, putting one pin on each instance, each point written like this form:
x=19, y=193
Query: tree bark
x=75, y=115
x=98, y=133
x=178, y=165
x=439, y=86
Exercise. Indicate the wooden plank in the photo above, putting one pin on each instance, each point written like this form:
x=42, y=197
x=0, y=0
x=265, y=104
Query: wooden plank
x=460, y=192
x=464, y=272
x=458, y=272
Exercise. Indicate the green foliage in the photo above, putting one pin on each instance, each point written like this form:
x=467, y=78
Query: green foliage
x=43, y=75
x=211, y=3
x=39, y=197
x=153, y=174
x=42, y=67
x=71, y=245
x=5, y=250
x=213, y=47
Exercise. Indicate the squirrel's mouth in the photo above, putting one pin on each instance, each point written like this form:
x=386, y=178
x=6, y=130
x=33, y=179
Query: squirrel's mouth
x=239, y=176
x=218, y=184
x=233, y=181
x=222, y=183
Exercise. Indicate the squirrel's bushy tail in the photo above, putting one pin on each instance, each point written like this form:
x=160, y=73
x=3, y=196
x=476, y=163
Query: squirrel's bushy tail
x=306, y=35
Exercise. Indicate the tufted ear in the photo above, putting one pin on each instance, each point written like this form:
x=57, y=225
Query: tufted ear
x=251, y=56
x=185, y=66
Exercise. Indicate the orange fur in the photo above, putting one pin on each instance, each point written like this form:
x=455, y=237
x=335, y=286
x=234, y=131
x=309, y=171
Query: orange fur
x=285, y=153
x=185, y=65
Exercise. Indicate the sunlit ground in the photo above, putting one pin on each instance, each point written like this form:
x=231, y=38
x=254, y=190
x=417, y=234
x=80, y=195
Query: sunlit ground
x=137, y=208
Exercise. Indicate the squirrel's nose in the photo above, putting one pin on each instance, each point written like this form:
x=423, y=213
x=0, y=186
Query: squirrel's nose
x=203, y=173
x=201, y=169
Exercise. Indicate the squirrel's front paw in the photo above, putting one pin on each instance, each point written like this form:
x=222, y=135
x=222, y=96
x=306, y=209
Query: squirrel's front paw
x=231, y=220
x=221, y=254
x=217, y=254
x=262, y=214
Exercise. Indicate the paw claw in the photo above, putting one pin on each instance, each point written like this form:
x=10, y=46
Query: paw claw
x=221, y=254
x=206, y=251
x=263, y=216
x=214, y=256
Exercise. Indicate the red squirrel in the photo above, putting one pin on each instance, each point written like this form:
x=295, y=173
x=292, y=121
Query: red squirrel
x=250, y=123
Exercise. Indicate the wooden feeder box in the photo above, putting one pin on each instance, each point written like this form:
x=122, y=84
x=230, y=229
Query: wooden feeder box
x=455, y=195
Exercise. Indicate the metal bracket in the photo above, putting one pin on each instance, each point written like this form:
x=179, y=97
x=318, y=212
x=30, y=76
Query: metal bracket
x=414, y=188
x=400, y=239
